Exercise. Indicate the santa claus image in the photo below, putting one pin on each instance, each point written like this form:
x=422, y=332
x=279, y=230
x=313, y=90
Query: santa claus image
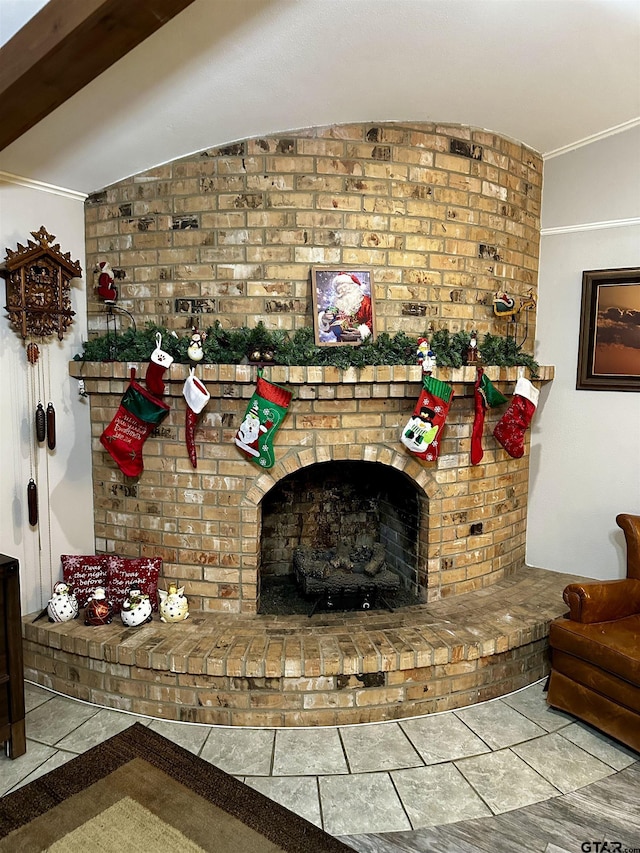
x=250, y=431
x=348, y=318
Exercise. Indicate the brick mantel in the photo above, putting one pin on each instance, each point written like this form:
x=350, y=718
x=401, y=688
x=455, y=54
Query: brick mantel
x=374, y=375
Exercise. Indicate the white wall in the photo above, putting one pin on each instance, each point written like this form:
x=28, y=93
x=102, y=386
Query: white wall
x=585, y=453
x=64, y=475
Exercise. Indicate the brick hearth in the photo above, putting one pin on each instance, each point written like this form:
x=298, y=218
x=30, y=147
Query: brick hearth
x=331, y=669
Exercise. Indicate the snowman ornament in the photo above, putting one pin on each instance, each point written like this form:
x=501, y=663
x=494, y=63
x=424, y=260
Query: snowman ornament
x=136, y=609
x=63, y=605
x=174, y=606
x=195, y=350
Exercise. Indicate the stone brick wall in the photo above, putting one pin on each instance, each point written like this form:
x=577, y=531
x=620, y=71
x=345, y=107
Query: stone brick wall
x=443, y=215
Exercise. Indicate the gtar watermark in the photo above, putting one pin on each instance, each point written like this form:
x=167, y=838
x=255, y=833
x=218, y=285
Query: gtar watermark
x=607, y=847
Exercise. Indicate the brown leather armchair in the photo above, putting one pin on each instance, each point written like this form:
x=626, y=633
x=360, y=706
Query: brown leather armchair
x=595, y=649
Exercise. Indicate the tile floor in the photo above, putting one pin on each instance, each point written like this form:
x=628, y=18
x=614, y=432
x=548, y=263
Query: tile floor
x=483, y=760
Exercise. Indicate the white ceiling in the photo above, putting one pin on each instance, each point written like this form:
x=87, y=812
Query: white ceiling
x=549, y=73
x=14, y=14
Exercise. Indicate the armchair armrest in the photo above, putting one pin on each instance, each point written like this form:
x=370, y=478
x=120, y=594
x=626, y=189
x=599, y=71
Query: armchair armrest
x=603, y=601
x=630, y=526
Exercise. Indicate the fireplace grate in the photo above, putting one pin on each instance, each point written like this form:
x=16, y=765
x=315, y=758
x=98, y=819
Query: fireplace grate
x=342, y=578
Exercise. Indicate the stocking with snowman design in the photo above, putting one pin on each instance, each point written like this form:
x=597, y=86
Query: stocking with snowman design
x=423, y=431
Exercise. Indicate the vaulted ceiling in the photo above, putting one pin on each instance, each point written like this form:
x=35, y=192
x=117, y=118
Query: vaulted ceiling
x=549, y=73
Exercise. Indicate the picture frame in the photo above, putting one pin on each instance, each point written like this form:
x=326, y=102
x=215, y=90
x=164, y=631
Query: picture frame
x=609, y=341
x=343, y=306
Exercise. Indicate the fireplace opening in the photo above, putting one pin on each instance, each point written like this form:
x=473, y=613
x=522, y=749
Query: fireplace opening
x=340, y=535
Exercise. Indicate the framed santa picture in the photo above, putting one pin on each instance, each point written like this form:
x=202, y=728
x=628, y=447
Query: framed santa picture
x=343, y=306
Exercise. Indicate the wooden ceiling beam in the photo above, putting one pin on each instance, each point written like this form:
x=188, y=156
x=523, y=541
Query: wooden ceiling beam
x=64, y=47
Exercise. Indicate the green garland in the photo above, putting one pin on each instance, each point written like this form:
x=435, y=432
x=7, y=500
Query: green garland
x=232, y=346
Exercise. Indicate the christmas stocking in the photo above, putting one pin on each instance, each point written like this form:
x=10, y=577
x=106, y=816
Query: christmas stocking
x=197, y=398
x=138, y=415
x=265, y=413
x=485, y=396
x=513, y=424
x=422, y=433
x=160, y=361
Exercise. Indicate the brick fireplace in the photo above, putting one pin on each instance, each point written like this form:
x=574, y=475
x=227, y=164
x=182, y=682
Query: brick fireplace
x=481, y=632
x=444, y=216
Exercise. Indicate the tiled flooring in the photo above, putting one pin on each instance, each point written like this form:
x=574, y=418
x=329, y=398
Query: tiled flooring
x=483, y=760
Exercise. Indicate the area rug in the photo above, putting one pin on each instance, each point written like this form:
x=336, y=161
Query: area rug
x=141, y=793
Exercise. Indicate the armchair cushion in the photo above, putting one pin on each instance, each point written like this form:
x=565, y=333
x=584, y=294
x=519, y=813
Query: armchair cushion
x=613, y=647
x=603, y=601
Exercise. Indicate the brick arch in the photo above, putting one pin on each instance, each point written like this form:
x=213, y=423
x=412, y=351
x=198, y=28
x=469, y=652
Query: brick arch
x=294, y=461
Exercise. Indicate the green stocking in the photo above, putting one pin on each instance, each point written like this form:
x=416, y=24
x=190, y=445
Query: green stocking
x=265, y=412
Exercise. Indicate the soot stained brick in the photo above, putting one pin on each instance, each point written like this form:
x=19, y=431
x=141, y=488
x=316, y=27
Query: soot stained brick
x=239, y=149
x=183, y=223
x=491, y=252
x=381, y=152
x=285, y=146
x=465, y=149
x=414, y=309
x=97, y=198
x=195, y=306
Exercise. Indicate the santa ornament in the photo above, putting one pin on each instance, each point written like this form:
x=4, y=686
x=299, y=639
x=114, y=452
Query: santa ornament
x=265, y=412
x=197, y=397
x=106, y=278
x=512, y=426
x=158, y=363
x=138, y=415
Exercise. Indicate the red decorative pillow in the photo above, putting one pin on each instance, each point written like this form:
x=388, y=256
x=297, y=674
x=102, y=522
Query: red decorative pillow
x=124, y=573
x=85, y=573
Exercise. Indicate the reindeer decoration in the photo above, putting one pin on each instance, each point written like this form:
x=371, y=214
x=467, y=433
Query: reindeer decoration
x=511, y=307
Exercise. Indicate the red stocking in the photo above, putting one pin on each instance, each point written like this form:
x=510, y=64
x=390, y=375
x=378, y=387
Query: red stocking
x=197, y=398
x=138, y=415
x=422, y=433
x=485, y=395
x=513, y=424
x=160, y=361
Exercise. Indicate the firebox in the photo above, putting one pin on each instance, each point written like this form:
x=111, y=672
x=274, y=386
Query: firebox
x=360, y=519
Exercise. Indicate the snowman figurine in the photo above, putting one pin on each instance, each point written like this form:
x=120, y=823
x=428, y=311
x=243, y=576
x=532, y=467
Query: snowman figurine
x=194, y=350
x=98, y=610
x=63, y=604
x=136, y=609
x=174, y=606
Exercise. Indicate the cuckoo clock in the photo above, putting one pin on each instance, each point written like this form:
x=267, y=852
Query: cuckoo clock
x=38, y=282
x=38, y=287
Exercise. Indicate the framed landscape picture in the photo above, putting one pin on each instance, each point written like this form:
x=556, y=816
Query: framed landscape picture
x=609, y=345
x=343, y=306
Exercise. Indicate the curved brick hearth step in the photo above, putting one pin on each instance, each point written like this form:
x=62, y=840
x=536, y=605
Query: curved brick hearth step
x=337, y=668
